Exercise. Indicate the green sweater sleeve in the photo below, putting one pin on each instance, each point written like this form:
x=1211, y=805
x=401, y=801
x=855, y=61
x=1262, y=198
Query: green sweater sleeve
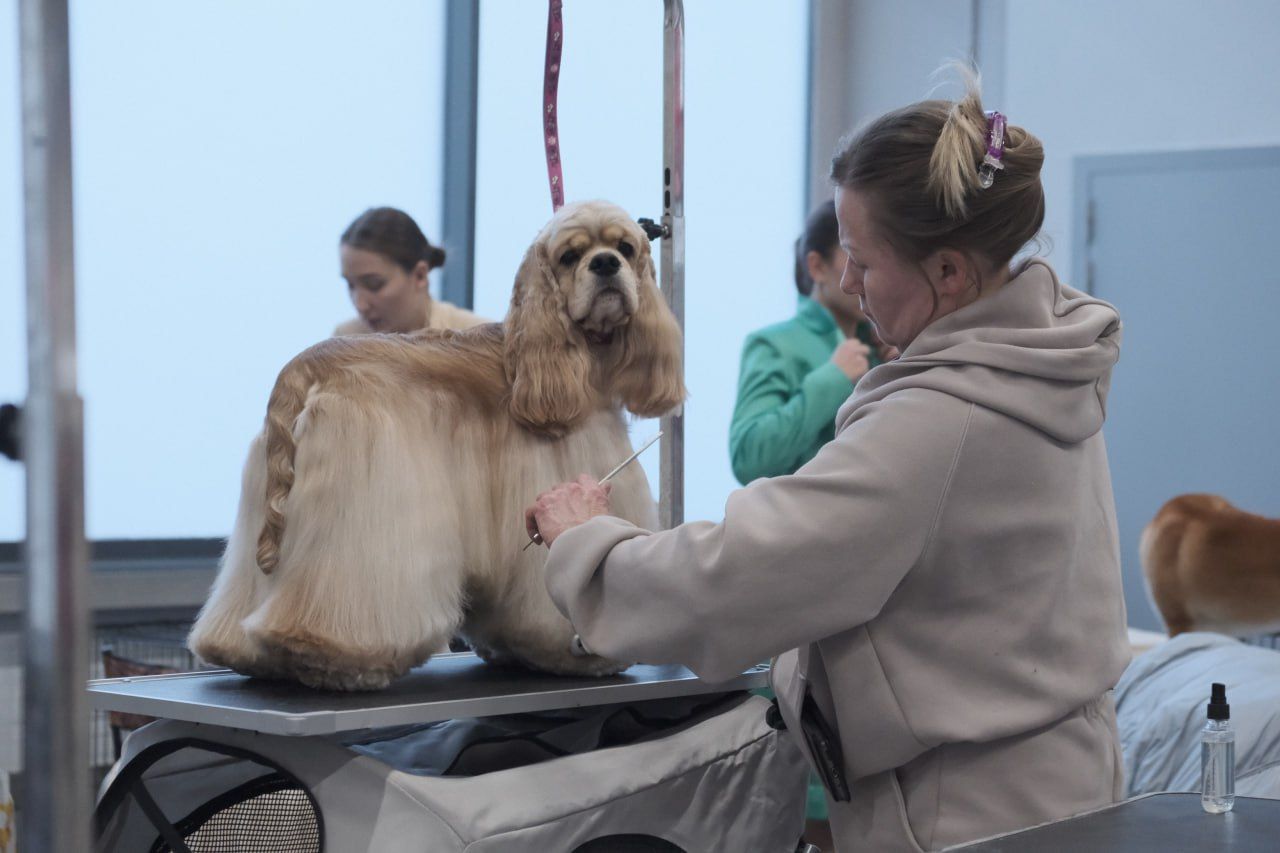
x=780, y=416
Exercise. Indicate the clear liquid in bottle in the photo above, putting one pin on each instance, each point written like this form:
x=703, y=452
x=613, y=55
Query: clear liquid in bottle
x=1217, y=771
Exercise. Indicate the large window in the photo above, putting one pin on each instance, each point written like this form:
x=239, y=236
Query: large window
x=13, y=328
x=744, y=172
x=220, y=149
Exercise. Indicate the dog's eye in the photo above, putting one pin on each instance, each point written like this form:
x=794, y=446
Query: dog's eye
x=626, y=249
x=570, y=258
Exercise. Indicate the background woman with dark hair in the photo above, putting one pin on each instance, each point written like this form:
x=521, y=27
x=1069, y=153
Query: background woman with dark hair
x=795, y=374
x=385, y=260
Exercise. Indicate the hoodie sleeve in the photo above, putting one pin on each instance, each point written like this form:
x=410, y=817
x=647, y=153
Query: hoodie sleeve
x=778, y=416
x=796, y=558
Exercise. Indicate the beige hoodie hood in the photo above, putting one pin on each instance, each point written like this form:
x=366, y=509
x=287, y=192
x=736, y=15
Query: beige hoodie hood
x=1038, y=351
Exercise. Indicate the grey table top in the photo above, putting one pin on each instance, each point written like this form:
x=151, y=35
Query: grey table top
x=1155, y=823
x=447, y=686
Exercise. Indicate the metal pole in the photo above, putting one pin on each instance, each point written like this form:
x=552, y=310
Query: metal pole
x=56, y=808
x=461, y=91
x=671, y=452
x=829, y=93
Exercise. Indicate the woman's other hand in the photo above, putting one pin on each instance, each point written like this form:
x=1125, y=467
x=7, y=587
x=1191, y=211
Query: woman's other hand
x=886, y=352
x=564, y=506
x=851, y=358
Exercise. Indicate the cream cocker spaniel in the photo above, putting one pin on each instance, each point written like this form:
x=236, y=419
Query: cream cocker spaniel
x=382, y=506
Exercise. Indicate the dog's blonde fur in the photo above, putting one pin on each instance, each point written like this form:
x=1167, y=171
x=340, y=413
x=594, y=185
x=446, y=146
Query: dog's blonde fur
x=1213, y=567
x=382, y=506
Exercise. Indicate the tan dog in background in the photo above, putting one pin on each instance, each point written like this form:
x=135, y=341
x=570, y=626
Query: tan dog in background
x=1213, y=567
x=383, y=505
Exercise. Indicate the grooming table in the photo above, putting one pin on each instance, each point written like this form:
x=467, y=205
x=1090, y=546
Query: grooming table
x=1153, y=823
x=656, y=757
x=446, y=687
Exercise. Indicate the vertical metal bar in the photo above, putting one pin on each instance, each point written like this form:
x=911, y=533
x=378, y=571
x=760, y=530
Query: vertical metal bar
x=987, y=48
x=810, y=76
x=458, y=206
x=671, y=448
x=830, y=91
x=56, y=809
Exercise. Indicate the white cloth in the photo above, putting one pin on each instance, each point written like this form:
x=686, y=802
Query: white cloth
x=1160, y=705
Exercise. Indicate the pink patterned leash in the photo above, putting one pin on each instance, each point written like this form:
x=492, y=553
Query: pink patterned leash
x=550, y=86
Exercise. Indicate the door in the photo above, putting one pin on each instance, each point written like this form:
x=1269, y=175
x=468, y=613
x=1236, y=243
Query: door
x=1187, y=246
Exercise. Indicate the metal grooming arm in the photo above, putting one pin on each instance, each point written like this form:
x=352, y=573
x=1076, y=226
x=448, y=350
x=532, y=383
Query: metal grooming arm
x=671, y=450
x=55, y=810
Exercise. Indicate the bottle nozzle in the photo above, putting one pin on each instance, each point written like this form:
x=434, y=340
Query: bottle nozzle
x=1218, y=707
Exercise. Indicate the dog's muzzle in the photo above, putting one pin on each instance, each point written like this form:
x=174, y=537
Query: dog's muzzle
x=605, y=264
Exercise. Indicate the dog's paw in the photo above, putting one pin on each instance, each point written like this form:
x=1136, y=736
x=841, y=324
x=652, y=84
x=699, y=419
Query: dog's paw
x=349, y=681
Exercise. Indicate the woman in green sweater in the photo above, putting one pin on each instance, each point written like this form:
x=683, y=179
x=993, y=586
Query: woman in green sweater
x=795, y=374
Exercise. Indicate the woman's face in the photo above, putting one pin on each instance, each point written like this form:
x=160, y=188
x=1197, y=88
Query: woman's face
x=387, y=297
x=826, y=274
x=895, y=295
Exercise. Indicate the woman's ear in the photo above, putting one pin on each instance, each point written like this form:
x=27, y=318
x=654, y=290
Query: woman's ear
x=649, y=378
x=547, y=363
x=815, y=264
x=419, y=275
x=950, y=272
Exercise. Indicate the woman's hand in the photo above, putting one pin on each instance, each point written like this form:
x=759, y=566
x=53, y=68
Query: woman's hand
x=564, y=506
x=851, y=358
x=886, y=352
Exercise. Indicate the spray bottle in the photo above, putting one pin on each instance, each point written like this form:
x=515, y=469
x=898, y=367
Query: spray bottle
x=1218, y=755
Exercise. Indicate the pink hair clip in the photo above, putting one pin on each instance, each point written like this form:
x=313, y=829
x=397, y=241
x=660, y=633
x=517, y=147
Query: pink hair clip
x=995, y=150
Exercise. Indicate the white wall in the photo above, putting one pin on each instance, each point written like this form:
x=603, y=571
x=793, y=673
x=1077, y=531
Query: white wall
x=1099, y=77
x=1086, y=76
x=870, y=57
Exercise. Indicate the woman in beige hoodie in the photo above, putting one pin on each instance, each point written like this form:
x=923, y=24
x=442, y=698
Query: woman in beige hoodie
x=385, y=260
x=941, y=583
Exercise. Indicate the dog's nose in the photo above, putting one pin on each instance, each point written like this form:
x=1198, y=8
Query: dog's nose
x=605, y=263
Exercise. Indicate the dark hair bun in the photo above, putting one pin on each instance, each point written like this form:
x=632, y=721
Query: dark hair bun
x=393, y=233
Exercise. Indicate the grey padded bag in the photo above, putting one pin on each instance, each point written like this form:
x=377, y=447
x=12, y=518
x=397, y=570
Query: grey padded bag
x=687, y=775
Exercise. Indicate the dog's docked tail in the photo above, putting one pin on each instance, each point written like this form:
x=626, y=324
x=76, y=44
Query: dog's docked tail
x=288, y=399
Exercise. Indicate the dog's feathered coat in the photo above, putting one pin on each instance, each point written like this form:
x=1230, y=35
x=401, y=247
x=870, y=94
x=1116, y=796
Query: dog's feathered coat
x=382, y=506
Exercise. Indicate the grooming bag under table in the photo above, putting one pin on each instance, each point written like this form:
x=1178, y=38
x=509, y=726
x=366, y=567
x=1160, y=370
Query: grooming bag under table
x=457, y=756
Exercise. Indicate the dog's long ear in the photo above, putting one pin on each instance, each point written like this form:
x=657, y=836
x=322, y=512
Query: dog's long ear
x=547, y=363
x=649, y=379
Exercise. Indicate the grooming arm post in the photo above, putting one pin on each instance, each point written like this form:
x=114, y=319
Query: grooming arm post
x=671, y=476
x=55, y=812
x=458, y=206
